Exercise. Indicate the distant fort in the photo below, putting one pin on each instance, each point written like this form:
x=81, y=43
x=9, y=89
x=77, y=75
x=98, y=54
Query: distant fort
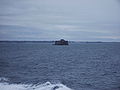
x=61, y=42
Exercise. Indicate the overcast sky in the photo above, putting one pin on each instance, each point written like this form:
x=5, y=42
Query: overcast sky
x=79, y=20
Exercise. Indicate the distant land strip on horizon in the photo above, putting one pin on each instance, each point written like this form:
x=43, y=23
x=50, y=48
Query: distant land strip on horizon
x=54, y=41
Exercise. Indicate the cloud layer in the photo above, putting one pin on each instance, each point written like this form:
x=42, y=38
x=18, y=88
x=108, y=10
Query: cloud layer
x=81, y=20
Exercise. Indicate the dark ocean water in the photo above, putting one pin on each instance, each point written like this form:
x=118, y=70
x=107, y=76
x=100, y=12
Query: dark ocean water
x=79, y=66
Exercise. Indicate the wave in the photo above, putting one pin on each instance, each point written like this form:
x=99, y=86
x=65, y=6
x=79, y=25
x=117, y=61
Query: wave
x=46, y=86
x=2, y=79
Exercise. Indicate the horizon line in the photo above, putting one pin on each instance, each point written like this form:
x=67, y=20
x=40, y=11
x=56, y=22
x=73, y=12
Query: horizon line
x=51, y=41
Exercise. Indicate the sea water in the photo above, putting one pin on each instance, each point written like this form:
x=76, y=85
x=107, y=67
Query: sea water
x=43, y=66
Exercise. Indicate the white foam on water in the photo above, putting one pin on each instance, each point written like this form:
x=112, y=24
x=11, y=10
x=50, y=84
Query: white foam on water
x=45, y=86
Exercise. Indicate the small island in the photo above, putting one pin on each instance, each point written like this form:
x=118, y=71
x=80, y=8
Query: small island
x=61, y=42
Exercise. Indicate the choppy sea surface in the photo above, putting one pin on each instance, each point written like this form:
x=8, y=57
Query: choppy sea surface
x=43, y=66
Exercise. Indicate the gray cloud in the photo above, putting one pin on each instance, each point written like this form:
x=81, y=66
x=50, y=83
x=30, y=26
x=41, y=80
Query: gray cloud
x=51, y=19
